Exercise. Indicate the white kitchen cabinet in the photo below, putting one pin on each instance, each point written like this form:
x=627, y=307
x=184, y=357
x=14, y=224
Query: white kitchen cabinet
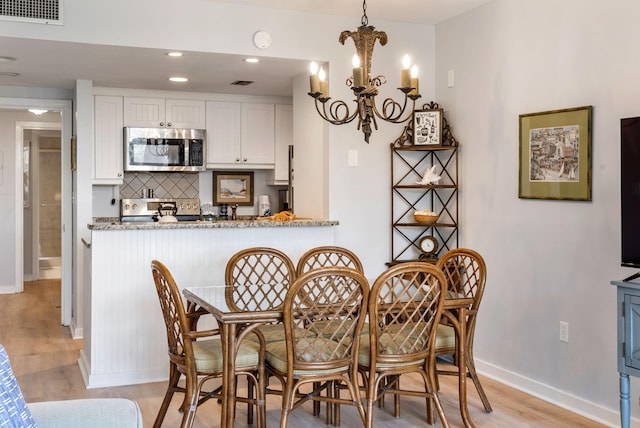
x=284, y=138
x=240, y=135
x=258, y=133
x=108, y=144
x=160, y=112
x=144, y=112
x=188, y=114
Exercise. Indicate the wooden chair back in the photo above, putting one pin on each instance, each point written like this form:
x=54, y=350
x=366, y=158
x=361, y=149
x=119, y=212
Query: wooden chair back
x=328, y=256
x=174, y=314
x=466, y=275
x=268, y=267
x=405, y=307
x=324, y=311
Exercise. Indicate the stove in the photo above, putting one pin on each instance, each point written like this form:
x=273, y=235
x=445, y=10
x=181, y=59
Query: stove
x=146, y=209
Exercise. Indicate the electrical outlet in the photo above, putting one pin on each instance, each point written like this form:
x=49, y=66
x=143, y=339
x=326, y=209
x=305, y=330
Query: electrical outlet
x=564, y=332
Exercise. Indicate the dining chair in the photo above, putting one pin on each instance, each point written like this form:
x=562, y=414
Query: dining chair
x=405, y=307
x=309, y=355
x=466, y=274
x=267, y=267
x=199, y=360
x=321, y=256
x=328, y=256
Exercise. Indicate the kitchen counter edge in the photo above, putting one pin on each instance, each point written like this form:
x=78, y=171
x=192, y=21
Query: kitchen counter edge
x=229, y=224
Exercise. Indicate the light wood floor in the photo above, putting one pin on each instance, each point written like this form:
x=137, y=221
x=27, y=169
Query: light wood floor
x=44, y=359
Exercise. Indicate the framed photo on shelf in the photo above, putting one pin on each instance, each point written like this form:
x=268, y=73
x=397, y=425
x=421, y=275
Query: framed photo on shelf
x=233, y=187
x=555, y=155
x=427, y=127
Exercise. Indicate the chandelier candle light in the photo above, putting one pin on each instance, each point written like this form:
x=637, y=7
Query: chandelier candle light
x=365, y=87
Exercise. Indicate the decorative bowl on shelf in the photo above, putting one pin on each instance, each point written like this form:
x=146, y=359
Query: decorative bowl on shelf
x=425, y=217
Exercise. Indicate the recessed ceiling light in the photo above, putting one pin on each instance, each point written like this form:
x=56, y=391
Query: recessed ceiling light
x=178, y=79
x=175, y=54
x=37, y=111
x=251, y=60
x=9, y=74
x=6, y=58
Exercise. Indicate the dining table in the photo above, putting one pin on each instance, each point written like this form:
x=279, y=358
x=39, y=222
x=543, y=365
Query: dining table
x=235, y=325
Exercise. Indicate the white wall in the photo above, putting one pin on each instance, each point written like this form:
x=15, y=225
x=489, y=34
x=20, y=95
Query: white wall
x=548, y=261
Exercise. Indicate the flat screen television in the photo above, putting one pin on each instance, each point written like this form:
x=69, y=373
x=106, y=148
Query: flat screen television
x=630, y=192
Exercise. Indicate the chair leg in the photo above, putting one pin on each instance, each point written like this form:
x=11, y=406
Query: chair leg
x=316, y=404
x=260, y=404
x=336, y=406
x=396, y=398
x=250, y=386
x=432, y=396
x=288, y=397
x=471, y=368
x=329, y=418
x=192, y=392
x=372, y=392
x=174, y=378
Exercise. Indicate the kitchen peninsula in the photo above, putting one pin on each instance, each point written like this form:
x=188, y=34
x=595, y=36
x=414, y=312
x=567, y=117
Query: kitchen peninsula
x=124, y=334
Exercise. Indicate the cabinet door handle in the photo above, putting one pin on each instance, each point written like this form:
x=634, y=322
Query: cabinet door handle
x=169, y=124
x=237, y=159
x=161, y=123
x=244, y=160
x=119, y=174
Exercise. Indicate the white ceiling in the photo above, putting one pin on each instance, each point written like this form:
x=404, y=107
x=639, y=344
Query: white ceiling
x=59, y=64
x=417, y=11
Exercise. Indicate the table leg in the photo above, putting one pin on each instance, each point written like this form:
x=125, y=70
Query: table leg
x=625, y=415
x=228, y=374
x=462, y=367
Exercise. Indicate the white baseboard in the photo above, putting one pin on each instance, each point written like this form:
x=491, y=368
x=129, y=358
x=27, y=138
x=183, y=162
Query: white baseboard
x=7, y=289
x=588, y=409
x=109, y=380
x=76, y=332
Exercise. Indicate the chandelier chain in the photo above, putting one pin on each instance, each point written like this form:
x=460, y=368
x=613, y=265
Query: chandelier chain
x=365, y=19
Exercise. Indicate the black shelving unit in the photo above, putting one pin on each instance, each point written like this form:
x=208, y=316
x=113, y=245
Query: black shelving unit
x=408, y=165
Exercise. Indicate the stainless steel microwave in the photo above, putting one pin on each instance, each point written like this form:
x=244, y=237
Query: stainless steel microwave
x=164, y=149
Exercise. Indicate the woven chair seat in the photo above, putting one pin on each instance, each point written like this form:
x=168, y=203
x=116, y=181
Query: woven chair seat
x=208, y=355
x=445, y=334
x=274, y=333
x=445, y=337
x=316, y=349
x=331, y=328
x=364, y=354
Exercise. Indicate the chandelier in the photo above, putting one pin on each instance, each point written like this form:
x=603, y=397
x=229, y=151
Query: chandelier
x=364, y=86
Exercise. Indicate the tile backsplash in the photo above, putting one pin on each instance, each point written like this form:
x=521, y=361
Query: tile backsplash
x=164, y=185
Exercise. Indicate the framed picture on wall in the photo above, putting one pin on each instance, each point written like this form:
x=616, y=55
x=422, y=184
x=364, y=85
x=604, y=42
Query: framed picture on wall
x=233, y=187
x=427, y=127
x=555, y=154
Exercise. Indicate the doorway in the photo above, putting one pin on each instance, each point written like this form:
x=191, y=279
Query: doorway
x=13, y=177
x=43, y=222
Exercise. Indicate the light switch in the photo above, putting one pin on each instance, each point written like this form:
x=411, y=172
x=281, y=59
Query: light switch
x=352, y=158
x=451, y=79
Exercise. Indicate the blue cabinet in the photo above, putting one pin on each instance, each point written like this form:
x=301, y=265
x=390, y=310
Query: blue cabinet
x=628, y=302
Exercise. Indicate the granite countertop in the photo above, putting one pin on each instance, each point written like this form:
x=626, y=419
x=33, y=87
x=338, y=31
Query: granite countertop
x=220, y=224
